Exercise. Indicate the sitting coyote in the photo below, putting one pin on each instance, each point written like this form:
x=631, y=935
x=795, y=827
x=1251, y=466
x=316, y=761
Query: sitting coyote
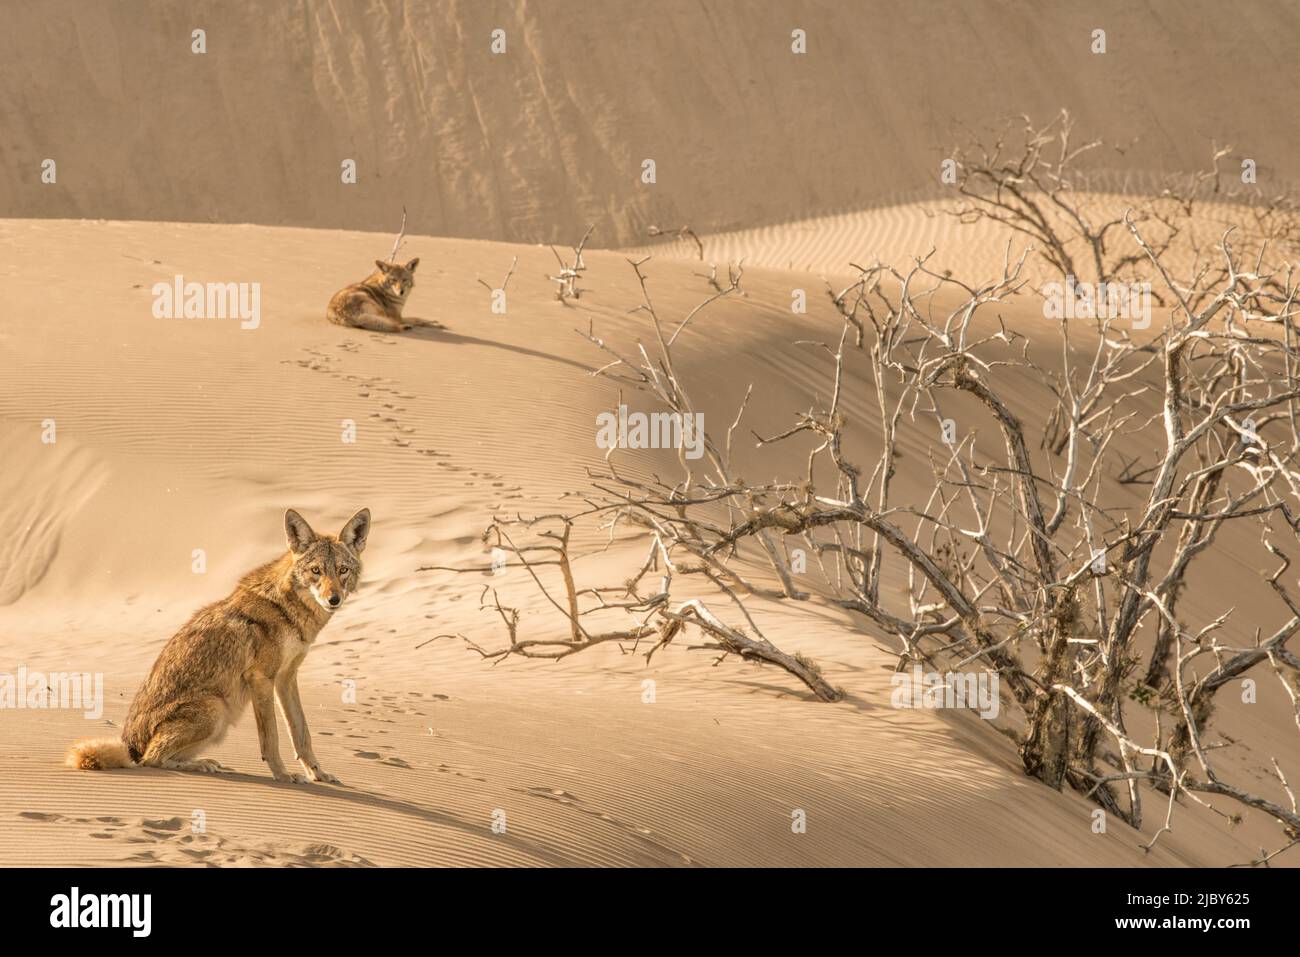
x=245, y=647
x=376, y=302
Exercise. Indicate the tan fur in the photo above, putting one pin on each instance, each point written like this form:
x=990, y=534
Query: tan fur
x=98, y=754
x=376, y=302
x=243, y=649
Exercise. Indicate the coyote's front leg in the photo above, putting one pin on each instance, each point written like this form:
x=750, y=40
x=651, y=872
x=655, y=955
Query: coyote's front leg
x=377, y=322
x=287, y=691
x=263, y=694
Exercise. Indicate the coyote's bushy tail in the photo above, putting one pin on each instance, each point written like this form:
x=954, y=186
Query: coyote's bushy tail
x=98, y=754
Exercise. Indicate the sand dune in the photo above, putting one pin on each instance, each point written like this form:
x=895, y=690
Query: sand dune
x=182, y=434
x=898, y=234
x=538, y=142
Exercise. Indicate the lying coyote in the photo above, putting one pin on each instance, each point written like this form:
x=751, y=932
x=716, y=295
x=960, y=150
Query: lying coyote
x=246, y=646
x=376, y=302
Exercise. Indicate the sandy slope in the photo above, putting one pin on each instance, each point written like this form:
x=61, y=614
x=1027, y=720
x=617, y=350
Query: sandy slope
x=899, y=233
x=183, y=434
x=534, y=144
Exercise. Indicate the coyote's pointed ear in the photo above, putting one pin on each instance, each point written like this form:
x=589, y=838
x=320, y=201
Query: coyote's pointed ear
x=355, y=531
x=298, y=532
x=383, y=266
x=410, y=267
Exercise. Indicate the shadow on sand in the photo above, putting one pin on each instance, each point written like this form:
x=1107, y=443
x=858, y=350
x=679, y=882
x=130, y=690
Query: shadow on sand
x=432, y=331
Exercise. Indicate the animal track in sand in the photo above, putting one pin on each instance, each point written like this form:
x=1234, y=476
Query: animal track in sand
x=172, y=842
x=643, y=834
x=391, y=760
x=384, y=389
x=448, y=769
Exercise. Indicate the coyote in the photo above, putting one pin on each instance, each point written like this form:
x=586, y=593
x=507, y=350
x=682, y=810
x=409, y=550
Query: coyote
x=245, y=647
x=376, y=302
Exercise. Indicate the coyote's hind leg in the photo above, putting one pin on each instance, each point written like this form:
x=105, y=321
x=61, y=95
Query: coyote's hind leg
x=184, y=733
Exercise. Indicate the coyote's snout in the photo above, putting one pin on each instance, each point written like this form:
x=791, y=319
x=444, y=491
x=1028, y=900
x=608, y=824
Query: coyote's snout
x=246, y=647
x=376, y=302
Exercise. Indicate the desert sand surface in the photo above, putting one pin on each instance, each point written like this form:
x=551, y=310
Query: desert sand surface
x=177, y=434
x=824, y=247
x=534, y=144
x=185, y=436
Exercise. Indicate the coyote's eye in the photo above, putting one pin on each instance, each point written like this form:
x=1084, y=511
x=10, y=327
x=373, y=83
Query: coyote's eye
x=315, y=569
x=345, y=573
